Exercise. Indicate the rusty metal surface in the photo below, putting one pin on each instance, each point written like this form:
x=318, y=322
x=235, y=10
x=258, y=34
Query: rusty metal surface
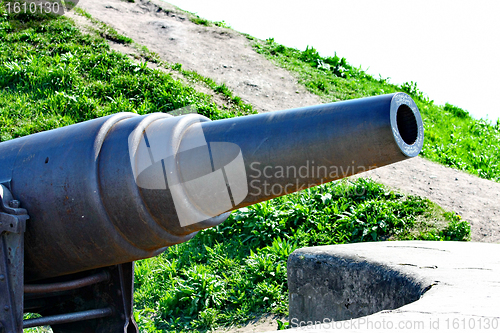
x=12, y=227
x=9, y=308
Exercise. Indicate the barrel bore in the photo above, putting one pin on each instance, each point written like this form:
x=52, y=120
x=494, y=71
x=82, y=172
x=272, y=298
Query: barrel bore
x=407, y=124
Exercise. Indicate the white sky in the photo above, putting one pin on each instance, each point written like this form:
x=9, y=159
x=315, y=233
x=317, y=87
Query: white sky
x=450, y=48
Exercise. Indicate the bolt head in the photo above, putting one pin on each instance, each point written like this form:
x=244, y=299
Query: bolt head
x=2, y=277
x=6, y=308
x=14, y=204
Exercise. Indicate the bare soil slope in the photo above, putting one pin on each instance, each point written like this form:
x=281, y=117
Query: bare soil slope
x=227, y=57
x=222, y=54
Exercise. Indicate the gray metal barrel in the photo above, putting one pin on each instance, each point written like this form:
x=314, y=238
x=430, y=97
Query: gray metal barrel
x=124, y=187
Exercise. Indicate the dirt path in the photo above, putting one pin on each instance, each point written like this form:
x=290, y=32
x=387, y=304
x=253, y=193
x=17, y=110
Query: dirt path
x=227, y=57
x=222, y=54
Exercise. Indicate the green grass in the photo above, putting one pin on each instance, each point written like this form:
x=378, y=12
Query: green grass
x=229, y=274
x=452, y=136
x=52, y=75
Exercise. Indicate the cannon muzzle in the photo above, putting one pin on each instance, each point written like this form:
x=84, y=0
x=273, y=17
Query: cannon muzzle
x=120, y=188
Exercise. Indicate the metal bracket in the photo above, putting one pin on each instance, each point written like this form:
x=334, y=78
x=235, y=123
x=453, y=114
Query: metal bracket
x=12, y=228
x=98, y=301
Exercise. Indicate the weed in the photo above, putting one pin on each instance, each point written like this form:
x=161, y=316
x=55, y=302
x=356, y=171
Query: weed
x=201, y=21
x=222, y=24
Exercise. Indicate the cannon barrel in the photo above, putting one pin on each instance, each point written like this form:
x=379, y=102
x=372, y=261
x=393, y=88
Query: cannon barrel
x=79, y=204
x=124, y=187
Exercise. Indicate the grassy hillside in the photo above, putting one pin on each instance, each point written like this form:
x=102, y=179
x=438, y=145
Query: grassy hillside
x=52, y=75
x=452, y=136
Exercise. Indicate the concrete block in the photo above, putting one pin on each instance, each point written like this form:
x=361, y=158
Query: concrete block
x=387, y=286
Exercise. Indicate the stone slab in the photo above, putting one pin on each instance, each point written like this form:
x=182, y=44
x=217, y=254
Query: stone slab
x=395, y=286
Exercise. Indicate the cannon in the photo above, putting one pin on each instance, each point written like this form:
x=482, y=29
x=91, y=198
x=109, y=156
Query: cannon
x=80, y=204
